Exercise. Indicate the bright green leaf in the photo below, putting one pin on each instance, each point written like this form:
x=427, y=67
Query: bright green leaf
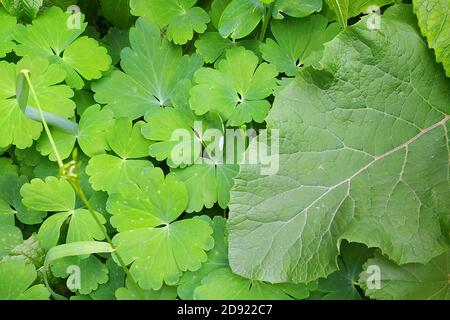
x=16, y=127
x=50, y=37
x=179, y=16
x=208, y=183
x=158, y=248
x=16, y=279
x=240, y=18
x=293, y=50
x=93, y=272
x=7, y=26
x=152, y=69
x=236, y=90
x=362, y=158
x=53, y=194
x=127, y=141
x=435, y=25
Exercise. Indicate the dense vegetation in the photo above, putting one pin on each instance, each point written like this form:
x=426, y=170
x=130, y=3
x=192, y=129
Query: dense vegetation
x=336, y=184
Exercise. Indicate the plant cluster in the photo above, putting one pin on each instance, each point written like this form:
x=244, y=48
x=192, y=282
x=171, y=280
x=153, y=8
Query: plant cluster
x=100, y=200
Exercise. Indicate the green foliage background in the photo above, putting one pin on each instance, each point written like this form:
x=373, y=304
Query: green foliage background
x=363, y=116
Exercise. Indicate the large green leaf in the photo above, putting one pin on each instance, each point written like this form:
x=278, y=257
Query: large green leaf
x=409, y=282
x=152, y=69
x=434, y=22
x=362, y=158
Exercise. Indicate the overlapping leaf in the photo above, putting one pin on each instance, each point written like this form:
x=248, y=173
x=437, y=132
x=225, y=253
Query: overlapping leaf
x=158, y=248
x=152, y=69
x=408, y=282
x=293, y=49
x=7, y=26
x=237, y=89
x=16, y=282
x=181, y=17
x=108, y=172
x=15, y=127
x=56, y=195
x=435, y=25
x=361, y=158
x=55, y=36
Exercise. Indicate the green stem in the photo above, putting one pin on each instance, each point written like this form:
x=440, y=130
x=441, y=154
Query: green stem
x=74, y=181
x=265, y=20
x=44, y=122
x=77, y=187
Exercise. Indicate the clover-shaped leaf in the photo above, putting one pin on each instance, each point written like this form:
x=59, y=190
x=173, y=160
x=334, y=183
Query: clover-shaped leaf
x=108, y=172
x=52, y=37
x=152, y=69
x=212, y=46
x=236, y=90
x=11, y=203
x=91, y=135
x=342, y=284
x=217, y=258
x=208, y=183
x=93, y=272
x=179, y=136
x=179, y=16
x=107, y=291
x=158, y=248
x=16, y=279
x=56, y=195
x=7, y=26
x=293, y=49
x=15, y=127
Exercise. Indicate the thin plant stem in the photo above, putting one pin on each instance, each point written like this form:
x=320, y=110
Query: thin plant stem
x=26, y=74
x=69, y=172
x=265, y=22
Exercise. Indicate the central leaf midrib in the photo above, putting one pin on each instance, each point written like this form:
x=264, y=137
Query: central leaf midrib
x=376, y=159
